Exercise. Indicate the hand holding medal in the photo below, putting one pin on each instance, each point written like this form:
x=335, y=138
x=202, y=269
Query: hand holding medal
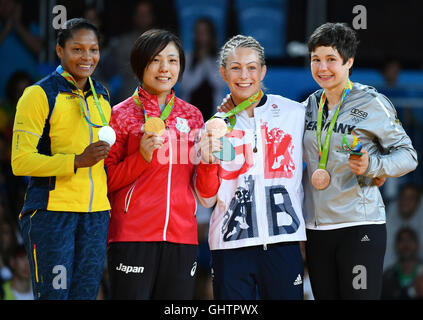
x=153, y=128
x=359, y=158
x=107, y=134
x=218, y=128
x=359, y=163
x=99, y=150
x=210, y=143
x=151, y=140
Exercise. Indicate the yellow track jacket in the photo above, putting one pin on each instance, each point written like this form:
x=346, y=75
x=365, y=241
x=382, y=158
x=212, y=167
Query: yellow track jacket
x=49, y=130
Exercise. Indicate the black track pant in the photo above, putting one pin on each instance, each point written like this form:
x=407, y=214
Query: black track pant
x=152, y=270
x=346, y=263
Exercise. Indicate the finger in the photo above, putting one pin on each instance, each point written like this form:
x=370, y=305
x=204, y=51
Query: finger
x=380, y=181
x=354, y=168
x=157, y=139
x=99, y=143
x=354, y=157
x=157, y=145
x=102, y=146
x=148, y=135
x=100, y=156
x=216, y=145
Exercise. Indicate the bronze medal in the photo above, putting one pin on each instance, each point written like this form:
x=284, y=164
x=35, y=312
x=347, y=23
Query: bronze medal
x=320, y=179
x=217, y=126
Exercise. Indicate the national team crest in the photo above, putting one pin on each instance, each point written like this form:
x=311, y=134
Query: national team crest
x=182, y=125
x=279, y=151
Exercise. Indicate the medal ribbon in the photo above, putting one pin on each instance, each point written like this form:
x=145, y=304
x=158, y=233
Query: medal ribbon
x=72, y=81
x=240, y=107
x=323, y=154
x=166, y=111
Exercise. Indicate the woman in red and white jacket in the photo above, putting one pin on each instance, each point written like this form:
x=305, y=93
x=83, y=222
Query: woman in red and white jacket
x=153, y=229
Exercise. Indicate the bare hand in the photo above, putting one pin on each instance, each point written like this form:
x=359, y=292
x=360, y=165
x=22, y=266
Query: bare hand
x=380, y=181
x=358, y=164
x=209, y=144
x=92, y=154
x=150, y=142
x=226, y=105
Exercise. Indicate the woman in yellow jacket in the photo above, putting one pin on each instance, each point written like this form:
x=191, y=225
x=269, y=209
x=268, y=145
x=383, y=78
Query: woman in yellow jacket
x=56, y=143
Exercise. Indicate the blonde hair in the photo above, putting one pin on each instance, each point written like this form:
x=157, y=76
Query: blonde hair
x=240, y=41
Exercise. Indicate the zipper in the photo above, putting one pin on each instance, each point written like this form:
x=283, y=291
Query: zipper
x=128, y=197
x=169, y=178
x=263, y=224
x=90, y=174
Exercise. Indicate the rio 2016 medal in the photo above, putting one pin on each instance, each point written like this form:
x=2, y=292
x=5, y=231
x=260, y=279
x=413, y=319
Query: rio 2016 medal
x=107, y=134
x=217, y=126
x=320, y=179
x=155, y=125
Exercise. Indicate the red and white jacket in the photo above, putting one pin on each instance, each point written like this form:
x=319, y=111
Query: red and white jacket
x=258, y=195
x=153, y=201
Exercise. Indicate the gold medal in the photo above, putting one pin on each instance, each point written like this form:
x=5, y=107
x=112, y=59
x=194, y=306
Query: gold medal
x=320, y=179
x=154, y=125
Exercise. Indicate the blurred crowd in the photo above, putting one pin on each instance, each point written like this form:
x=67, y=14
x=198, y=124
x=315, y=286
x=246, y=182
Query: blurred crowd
x=202, y=87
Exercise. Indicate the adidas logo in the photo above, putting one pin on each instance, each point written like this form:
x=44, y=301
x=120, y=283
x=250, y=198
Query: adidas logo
x=365, y=238
x=298, y=281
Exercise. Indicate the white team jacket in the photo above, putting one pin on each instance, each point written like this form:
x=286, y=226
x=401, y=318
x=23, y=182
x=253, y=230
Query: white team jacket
x=259, y=200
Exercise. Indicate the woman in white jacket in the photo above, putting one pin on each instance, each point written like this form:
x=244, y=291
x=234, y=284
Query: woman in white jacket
x=257, y=221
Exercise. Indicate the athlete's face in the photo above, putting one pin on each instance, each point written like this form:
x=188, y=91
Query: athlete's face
x=161, y=74
x=328, y=68
x=80, y=55
x=243, y=73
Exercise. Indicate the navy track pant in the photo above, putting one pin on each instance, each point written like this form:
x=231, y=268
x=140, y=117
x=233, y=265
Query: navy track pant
x=66, y=253
x=257, y=273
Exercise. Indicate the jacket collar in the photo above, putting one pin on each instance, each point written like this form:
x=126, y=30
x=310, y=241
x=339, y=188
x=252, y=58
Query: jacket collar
x=262, y=101
x=66, y=86
x=153, y=104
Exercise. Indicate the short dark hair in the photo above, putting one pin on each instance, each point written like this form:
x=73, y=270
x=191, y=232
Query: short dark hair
x=73, y=25
x=336, y=35
x=148, y=45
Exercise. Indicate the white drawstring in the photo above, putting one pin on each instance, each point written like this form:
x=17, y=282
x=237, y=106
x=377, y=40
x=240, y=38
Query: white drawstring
x=128, y=200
